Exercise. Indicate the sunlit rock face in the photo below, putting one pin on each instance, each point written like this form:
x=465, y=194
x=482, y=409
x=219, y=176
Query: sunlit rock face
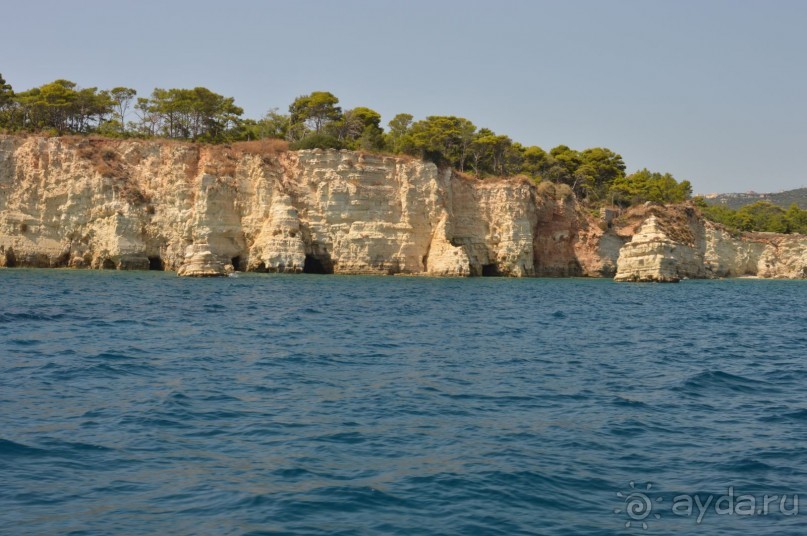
x=84, y=203
x=652, y=255
x=206, y=210
x=676, y=243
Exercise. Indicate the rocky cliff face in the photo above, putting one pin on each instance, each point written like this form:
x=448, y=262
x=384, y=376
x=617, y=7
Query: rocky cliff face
x=203, y=210
x=674, y=243
x=208, y=210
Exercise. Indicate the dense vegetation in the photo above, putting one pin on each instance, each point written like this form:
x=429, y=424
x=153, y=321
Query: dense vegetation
x=596, y=175
x=762, y=216
x=783, y=199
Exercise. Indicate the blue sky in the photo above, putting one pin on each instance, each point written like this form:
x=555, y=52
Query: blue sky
x=710, y=91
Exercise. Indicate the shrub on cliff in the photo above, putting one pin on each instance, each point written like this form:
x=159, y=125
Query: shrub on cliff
x=317, y=141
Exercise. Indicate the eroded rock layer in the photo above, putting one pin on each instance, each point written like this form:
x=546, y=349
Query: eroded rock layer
x=207, y=210
x=202, y=209
x=674, y=243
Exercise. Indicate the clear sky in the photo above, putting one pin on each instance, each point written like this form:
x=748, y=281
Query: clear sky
x=710, y=91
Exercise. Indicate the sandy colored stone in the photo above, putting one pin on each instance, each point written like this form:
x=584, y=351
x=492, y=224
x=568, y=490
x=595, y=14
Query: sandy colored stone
x=200, y=262
x=652, y=255
x=202, y=210
x=671, y=245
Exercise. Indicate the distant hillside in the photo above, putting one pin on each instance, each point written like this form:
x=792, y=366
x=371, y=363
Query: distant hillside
x=782, y=199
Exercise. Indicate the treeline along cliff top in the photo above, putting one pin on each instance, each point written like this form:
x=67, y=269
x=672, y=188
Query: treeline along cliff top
x=597, y=175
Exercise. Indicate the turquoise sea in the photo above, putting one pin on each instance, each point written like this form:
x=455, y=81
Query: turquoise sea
x=144, y=403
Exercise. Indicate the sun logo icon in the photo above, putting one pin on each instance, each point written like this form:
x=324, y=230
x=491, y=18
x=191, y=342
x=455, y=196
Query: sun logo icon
x=638, y=505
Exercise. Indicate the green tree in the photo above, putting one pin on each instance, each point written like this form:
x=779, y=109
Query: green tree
x=796, y=219
x=48, y=106
x=535, y=162
x=6, y=104
x=645, y=185
x=273, y=124
x=314, y=111
x=762, y=216
x=196, y=114
x=121, y=99
x=317, y=141
x=562, y=166
x=358, y=128
x=480, y=151
x=6, y=93
x=396, y=137
x=489, y=153
x=90, y=109
x=62, y=107
x=441, y=139
x=148, y=122
x=212, y=115
x=372, y=135
x=597, y=170
x=466, y=132
x=514, y=159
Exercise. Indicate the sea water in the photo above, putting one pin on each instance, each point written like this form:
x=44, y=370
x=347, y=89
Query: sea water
x=143, y=403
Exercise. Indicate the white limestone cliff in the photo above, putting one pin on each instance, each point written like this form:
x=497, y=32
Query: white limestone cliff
x=204, y=210
x=79, y=202
x=652, y=255
x=673, y=244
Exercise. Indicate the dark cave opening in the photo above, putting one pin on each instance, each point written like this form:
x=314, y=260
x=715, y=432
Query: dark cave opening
x=490, y=270
x=62, y=260
x=108, y=264
x=236, y=262
x=11, y=259
x=156, y=263
x=317, y=265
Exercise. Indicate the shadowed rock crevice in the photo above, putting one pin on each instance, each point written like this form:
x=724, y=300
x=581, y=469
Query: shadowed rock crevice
x=156, y=263
x=62, y=261
x=11, y=259
x=318, y=264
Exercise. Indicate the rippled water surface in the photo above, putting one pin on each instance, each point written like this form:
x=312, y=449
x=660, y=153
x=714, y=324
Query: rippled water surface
x=143, y=403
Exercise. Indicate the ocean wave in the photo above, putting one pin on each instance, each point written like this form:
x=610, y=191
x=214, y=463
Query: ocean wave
x=716, y=381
